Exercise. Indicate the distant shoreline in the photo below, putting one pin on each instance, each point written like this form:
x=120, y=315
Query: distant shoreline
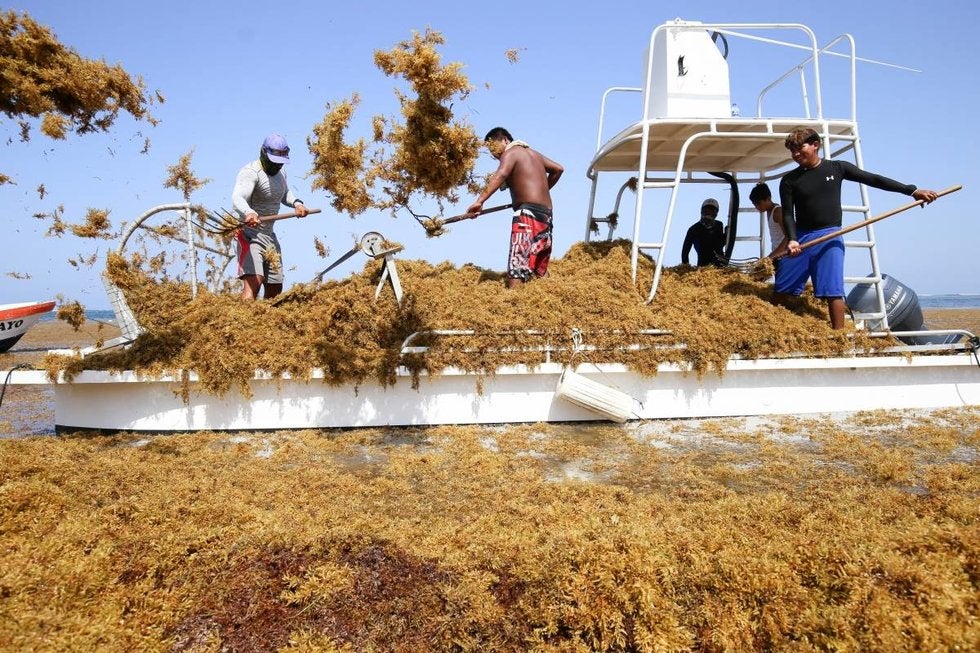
x=949, y=301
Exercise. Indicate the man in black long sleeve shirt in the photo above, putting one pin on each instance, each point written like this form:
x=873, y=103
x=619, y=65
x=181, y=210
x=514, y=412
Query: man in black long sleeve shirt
x=811, y=199
x=707, y=236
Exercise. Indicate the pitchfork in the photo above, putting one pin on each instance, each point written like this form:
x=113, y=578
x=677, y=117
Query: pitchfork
x=740, y=264
x=434, y=226
x=227, y=223
x=757, y=268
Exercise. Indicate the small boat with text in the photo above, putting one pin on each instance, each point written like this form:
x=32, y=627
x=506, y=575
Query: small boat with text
x=16, y=319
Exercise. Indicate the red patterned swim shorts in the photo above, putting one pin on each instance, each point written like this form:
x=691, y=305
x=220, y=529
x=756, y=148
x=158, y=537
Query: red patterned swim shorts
x=530, y=242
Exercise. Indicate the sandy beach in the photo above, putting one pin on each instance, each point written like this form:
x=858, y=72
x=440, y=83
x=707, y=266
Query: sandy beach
x=467, y=511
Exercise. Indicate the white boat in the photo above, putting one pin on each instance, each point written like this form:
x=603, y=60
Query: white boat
x=686, y=134
x=16, y=319
x=128, y=401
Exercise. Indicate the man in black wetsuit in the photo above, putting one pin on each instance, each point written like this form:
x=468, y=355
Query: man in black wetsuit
x=707, y=236
x=811, y=199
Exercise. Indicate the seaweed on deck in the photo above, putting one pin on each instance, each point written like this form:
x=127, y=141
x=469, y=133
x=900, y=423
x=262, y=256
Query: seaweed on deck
x=339, y=326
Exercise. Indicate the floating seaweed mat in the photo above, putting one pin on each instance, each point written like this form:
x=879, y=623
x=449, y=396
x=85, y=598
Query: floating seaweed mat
x=338, y=326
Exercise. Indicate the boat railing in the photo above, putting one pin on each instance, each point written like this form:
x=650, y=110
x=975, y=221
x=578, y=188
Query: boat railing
x=189, y=238
x=956, y=340
x=129, y=326
x=574, y=338
x=602, y=107
x=966, y=341
x=800, y=69
x=611, y=219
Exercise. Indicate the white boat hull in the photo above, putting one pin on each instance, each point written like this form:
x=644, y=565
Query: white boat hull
x=16, y=319
x=126, y=401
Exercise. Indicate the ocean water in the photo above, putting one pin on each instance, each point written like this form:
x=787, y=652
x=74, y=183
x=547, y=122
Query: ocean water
x=957, y=300
x=94, y=315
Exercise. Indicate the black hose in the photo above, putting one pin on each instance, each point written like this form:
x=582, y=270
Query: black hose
x=714, y=39
x=731, y=229
x=3, y=391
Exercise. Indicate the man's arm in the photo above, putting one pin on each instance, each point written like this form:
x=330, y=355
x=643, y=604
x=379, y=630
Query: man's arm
x=553, y=169
x=240, y=194
x=855, y=173
x=686, y=249
x=496, y=181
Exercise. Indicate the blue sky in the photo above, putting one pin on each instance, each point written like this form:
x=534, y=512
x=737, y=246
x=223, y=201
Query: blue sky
x=233, y=72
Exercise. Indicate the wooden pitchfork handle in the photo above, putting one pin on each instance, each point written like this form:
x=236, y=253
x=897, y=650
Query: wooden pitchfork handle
x=283, y=216
x=464, y=216
x=864, y=223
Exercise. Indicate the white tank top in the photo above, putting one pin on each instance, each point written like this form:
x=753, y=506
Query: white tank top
x=776, y=233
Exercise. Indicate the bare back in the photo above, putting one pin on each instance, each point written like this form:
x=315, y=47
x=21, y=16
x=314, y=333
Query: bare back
x=529, y=175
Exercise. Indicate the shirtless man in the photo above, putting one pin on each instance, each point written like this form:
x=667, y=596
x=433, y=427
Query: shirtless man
x=530, y=177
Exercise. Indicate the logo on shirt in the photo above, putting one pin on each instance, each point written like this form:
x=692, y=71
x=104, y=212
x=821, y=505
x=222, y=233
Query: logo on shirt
x=830, y=178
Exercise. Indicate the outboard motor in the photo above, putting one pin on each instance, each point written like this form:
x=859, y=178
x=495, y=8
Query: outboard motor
x=901, y=307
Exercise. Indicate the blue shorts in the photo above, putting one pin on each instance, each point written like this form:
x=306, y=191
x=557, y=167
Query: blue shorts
x=824, y=263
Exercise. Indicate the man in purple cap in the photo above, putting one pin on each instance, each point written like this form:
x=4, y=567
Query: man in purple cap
x=259, y=189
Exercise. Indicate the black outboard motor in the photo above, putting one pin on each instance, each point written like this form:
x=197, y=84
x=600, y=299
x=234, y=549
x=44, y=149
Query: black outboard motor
x=901, y=307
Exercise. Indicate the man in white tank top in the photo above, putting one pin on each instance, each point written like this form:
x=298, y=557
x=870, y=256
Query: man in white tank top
x=761, y=198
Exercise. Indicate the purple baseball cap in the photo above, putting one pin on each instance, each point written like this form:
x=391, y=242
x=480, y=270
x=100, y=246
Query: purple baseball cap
x=276, y=148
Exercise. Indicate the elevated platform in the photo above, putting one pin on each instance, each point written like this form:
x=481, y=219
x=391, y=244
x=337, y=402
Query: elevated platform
x=739, y=145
